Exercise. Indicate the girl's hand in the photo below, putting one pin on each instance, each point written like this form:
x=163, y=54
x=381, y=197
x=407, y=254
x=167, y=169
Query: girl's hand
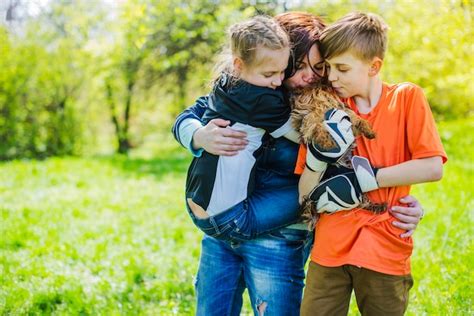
x=409, y=216
x=218, y=139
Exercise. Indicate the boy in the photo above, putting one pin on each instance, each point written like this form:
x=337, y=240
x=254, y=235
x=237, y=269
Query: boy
x=357, y=249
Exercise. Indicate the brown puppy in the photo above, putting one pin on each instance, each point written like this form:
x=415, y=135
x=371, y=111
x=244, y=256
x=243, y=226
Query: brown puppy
x=308, y=108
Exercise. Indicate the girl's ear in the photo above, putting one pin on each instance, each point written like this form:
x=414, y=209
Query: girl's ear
x=375, y=66
x=238, y=64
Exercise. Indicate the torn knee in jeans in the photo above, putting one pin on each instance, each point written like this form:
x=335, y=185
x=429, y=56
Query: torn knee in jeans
x=261, y=307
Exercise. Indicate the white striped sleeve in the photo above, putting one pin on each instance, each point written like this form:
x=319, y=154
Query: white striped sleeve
x=187, y=128
x=282, y=130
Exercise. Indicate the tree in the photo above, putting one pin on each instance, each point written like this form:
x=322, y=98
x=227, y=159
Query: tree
x=44, y=69
x=122, y=65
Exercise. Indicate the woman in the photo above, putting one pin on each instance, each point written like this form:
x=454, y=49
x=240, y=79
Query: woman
x=270, y=267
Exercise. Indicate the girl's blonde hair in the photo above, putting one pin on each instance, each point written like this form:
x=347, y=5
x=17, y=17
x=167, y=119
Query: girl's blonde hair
x=246, y=37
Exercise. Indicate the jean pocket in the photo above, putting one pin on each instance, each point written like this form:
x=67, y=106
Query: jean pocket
x=224, y=233
x=241, y=227
x=210, y=231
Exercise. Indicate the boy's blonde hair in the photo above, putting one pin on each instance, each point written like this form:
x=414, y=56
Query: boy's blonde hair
x=364, y=34
x=246, y=37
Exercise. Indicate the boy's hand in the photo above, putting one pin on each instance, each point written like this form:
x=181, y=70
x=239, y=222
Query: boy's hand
x=338, y=193
x=344, y=191
x=339, y=126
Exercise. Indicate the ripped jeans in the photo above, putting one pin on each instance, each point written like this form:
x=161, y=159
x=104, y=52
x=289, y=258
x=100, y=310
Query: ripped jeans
x=270, y=267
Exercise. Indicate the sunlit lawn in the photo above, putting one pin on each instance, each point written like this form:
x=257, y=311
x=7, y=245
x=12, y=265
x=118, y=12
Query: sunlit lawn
x=109, y=236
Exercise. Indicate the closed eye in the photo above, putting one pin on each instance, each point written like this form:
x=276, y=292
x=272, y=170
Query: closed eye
x=319, y=66
x=300, y=65
x=343, y=68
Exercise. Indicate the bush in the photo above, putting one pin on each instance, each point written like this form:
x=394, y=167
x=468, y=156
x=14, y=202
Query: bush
x=37, y=118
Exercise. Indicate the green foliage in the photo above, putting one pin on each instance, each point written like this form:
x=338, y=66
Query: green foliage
x=79, y=75
x=435, y=51
x=161, y=43
x=109, y=235
x=35, y=99
x=45, y=70
x=184, y=37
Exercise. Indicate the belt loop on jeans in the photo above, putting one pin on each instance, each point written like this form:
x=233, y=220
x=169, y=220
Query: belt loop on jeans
x=214, y=224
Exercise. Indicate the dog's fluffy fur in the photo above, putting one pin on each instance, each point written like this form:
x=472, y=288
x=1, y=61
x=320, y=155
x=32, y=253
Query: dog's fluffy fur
x=308, y=108
x=310, y=105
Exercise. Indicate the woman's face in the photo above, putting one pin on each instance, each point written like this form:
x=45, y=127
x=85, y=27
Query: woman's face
x=305, y=75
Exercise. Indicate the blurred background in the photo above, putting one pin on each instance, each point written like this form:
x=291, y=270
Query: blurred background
x=91, y=181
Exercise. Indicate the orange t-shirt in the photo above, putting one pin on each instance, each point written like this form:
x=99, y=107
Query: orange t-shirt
x=405, y=130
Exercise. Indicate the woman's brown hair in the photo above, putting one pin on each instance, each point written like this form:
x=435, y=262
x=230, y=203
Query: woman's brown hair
x=304, y=30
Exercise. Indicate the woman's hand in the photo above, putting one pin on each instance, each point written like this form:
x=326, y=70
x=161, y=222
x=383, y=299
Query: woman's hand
x=409, y=216
x=218, y=139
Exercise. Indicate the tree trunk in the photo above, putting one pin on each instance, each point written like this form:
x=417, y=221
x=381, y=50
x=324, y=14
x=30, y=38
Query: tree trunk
x=124, y=142
x=182, y=89
x=120, y=132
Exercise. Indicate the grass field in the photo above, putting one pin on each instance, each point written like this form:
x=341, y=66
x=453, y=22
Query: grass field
x=109, y=236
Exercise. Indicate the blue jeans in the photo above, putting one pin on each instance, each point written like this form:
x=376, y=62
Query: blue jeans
x=257, y=215
x=271, y=267
x=272, y=205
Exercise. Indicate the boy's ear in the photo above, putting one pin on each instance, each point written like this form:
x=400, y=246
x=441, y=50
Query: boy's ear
x=238, y=64
x=375, y=66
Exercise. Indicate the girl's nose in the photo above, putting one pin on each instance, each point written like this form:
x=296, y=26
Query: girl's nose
x=276, y=82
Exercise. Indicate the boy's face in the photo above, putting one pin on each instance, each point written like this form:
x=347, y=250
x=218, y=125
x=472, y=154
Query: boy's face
x=268, y=70
x=349, y=75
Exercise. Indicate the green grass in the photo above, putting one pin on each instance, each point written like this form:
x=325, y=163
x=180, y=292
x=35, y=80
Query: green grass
x=109, y=236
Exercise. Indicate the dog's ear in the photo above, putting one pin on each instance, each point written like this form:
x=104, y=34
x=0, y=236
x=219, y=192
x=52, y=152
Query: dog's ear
x=361, y=126
x=311, y=127
x=297, y=116
x=299, y=111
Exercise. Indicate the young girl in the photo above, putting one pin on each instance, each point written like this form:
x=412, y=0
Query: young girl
x=247, y=93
